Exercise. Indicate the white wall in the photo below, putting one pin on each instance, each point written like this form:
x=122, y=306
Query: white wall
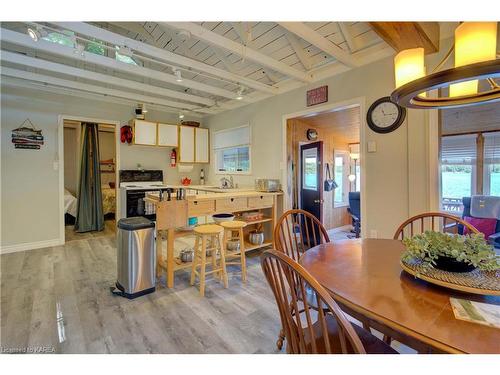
x=397, y=175
x=29, y=186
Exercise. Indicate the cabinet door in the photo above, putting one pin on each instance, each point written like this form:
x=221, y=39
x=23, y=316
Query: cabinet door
x=168, y=135
x=145, y=133
x=202, y=145
x=186, y=144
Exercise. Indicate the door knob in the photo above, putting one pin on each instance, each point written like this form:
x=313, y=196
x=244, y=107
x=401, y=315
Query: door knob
x=318, y=201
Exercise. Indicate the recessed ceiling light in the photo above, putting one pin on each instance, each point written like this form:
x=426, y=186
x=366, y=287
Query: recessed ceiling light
x=181, y=115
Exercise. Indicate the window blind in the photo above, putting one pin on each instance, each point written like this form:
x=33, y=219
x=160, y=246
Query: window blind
x=231, y=138
x=459, y=149
x=492, y=148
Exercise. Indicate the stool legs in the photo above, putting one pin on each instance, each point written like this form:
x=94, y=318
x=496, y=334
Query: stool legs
x=195, y=259
x=242, y=256
x=223, y=260
x=203, y=265
x=200, y=260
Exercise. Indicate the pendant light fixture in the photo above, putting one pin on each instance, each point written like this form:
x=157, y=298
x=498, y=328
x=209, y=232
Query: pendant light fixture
x=475, y=59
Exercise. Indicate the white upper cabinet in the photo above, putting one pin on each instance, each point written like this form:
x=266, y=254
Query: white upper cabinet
x=168, y=135
x=144, y=133
x=202, y=146
x=186, y=144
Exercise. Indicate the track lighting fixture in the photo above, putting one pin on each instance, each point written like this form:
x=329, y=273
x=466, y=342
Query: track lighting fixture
x=34, y=33
x=80, y=49
x=178, y=75
x=239, y=95
x=125, y=51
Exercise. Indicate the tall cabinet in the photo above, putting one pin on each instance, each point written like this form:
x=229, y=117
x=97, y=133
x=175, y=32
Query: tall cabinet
x=193, y=145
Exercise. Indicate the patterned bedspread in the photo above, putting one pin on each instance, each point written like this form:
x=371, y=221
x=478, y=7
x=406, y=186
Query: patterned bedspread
x=108, y=200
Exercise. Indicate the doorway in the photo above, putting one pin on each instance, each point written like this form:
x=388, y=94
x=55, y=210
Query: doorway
x=107, y=165
x=311, y=191
x=328, y=139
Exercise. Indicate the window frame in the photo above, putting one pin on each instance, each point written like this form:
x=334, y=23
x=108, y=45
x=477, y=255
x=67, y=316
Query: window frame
x=345, y=177
x=216, y=151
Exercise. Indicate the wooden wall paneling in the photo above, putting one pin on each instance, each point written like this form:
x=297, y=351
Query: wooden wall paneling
x=296, y=135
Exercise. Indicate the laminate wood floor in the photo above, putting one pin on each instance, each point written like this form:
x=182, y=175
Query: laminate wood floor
x=58, y=298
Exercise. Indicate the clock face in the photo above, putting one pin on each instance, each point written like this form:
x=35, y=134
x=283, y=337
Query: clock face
x=385, y=116
x=312, y=134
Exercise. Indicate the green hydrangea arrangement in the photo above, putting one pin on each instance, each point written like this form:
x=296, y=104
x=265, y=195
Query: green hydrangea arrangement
x=472, y=249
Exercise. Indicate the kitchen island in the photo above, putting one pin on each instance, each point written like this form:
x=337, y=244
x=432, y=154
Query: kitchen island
x=172, y=218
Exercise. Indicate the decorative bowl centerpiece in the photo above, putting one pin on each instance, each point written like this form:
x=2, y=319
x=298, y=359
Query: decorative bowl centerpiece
x=450, y=252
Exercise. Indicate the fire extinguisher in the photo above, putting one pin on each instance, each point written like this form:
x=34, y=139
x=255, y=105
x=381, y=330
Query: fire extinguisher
x=173, y=158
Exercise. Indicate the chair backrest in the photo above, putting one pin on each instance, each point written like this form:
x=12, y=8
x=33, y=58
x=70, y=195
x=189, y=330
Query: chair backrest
x=355, y=203
x=306, y=332
x=466, y=212
x=297, y=231
x=433, y=221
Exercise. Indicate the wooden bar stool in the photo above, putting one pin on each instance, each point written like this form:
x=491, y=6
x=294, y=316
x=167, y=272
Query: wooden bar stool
x=204, y=233
x=231, y=227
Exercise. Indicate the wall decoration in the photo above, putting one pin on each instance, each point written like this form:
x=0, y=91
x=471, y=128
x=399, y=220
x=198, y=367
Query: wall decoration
x=27, y=136
x=317, y=96
x=312, y=134
x=385, y=116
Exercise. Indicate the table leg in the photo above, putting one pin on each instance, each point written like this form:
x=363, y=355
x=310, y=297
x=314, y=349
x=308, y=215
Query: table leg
x=170, y=257
x=159, y=254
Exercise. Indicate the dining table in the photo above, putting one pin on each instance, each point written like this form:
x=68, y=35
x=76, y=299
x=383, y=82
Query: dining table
x=366, y=279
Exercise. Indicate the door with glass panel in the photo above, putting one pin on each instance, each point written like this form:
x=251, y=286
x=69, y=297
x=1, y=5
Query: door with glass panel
x=311, y=189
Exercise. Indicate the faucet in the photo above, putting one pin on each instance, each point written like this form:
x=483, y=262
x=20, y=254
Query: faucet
x=227, y=183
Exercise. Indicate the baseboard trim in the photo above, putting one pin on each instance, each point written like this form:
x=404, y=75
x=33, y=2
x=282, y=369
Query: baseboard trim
x=30, y=246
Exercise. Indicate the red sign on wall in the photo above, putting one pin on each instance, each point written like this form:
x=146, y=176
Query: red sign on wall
x=317, y=96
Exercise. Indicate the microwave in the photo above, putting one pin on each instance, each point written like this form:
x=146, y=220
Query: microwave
x=267, y=185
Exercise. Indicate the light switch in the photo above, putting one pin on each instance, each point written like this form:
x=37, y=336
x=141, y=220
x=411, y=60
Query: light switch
x=372, y=146
x=55, y=165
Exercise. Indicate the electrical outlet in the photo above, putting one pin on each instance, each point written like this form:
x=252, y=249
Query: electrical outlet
x=373, y=233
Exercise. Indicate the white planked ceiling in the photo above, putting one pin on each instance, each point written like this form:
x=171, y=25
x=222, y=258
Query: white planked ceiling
x=209, y=66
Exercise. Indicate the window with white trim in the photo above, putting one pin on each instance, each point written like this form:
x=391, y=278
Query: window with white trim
x=458, y=170
x=232, y=150
x=341, y=176
x=491, y=168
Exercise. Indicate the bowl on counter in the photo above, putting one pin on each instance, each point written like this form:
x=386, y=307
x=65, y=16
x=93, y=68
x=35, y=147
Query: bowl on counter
x=219, y=218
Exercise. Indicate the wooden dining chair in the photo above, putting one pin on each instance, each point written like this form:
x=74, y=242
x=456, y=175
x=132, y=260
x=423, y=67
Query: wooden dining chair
x=297, y=231
x=314, y=331
x=433, y=221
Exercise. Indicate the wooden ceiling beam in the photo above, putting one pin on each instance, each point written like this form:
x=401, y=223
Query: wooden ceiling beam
x=229, y=45
x=69, y=52
x=42, y=78
x=316, y=39
x=405, y=35
x=16, y=58
x=159, y=53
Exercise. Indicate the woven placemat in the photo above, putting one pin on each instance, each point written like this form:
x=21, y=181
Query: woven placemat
x=477, y=281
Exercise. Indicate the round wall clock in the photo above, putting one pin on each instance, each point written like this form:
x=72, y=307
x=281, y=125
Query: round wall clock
x=384, y=116
x=312, y=134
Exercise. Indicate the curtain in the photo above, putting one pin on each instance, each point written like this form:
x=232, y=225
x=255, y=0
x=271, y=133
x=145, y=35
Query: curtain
x=89, y=216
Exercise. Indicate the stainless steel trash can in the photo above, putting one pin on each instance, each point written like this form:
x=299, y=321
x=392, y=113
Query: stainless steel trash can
x=136, y=257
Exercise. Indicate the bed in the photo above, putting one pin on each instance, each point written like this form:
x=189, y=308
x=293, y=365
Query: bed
x=70, y=203
x=108, y=200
